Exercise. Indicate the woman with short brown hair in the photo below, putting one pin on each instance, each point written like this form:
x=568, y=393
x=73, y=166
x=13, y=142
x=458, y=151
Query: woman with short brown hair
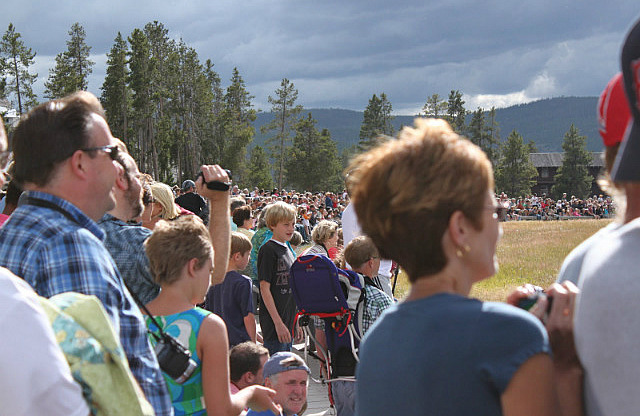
x=426, y=200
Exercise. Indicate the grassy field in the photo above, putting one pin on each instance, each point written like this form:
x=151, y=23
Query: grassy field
x=529, y=252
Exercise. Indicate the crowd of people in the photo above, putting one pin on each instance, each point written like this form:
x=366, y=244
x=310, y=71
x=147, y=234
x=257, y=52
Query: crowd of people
x=121, y=295
x=545, y=208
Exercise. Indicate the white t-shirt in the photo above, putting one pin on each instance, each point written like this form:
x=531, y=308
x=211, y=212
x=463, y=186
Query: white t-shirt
x=34, y=375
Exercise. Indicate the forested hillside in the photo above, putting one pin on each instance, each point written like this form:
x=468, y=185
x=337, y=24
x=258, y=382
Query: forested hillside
x=545, y=122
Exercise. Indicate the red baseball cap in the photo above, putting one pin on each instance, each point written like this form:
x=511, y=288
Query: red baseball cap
x=613, y=111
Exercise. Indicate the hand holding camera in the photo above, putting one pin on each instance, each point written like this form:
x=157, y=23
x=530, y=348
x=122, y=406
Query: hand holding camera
x=216, y=185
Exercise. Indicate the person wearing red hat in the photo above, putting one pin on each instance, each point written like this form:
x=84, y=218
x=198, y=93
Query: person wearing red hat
x=606, y=330
x=613, y=117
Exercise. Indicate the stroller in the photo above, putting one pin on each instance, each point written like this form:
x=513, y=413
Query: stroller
x=334, y=295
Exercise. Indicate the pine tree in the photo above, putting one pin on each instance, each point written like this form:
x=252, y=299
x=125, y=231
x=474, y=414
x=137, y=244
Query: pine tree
x=435, y=107
x=140, y=84
x=482, y=134
x=313, y=163
x=573, y=176
x=456, y=112
x=15, y=60
x=116, y=94
x=476, y=131
x=238, y=118
x=285, y=113
x=164, y=135
x=531, y=147
x=73, y=66
x=493, y=134
x=213, y=143
x=259, y=172
x=376, y=122
x=515, y=173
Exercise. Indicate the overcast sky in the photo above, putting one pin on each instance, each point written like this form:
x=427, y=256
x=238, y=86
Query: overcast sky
x=339, y=53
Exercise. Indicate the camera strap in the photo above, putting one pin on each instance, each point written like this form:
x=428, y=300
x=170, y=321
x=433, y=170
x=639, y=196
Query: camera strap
x=30, y=200
x=144, y=308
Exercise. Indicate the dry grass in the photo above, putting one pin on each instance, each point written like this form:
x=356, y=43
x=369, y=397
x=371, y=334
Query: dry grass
x=529, y=252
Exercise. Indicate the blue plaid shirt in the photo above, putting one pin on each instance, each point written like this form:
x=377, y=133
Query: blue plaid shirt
x=60, y=250
x=125, y=243
x=375, y=302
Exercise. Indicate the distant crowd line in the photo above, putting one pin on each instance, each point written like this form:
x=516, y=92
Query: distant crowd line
x=533, y=207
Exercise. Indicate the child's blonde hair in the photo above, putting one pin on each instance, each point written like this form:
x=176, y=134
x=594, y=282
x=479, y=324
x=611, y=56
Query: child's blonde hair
x=279, y=212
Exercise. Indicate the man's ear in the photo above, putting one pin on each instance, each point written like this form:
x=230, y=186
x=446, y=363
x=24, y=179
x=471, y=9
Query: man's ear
x=79, y=163
x=267, y=382
x=121, y=181
x=249, y=378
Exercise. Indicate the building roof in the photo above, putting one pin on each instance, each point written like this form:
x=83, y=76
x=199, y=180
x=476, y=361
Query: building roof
x=548, y=160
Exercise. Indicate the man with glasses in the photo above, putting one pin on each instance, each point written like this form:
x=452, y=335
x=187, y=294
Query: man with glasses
x=64, y=158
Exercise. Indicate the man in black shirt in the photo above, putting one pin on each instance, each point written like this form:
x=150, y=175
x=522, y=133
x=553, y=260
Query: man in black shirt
x=192, y=201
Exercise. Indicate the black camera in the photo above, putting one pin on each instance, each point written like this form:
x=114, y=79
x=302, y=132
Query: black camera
x=174, y=358
x=217, y=185
x=528, y=302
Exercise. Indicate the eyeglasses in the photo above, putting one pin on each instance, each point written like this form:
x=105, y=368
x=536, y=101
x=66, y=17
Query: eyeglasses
x=112, y=150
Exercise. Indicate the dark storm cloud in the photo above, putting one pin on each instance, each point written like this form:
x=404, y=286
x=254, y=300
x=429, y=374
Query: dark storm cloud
x=340, y=53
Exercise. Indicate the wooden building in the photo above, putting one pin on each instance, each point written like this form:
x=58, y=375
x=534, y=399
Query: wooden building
x=547, y=165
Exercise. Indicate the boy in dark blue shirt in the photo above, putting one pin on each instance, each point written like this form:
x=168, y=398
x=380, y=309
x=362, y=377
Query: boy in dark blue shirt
x=232, y=299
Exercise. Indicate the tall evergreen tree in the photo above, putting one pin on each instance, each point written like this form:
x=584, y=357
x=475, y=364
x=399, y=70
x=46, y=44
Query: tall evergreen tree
x=191, y=111
x=238, y=118
x=213, y=143
x=140, y=83
x=376, y=121
x=531, y=147
x=285, y=114
x=116, y=94
x=164, y=134
x=313, y=163
x=259, y=172
x=573, y=176
x=493, y=134
x=456, y=112
x=73, y=66
x=435, y=107
x=15, y=60
x=515, y=173
x=482, y=133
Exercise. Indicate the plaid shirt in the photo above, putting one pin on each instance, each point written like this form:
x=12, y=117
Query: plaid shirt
x=125, y=243
x=60, y=250
x=375, y=302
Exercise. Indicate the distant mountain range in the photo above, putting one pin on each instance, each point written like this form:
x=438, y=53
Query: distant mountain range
x=545, y=122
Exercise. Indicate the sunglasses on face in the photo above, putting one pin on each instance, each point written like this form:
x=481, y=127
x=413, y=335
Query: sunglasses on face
x=112, y=150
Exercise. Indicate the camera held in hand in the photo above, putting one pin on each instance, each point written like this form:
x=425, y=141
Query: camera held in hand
x=174, y=359
x=217, y=185
x=528, y=302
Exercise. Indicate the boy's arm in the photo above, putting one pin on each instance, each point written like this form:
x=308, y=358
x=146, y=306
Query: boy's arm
x=219, y=226
x=283, y=332
x=250, y=326
x=244, y=292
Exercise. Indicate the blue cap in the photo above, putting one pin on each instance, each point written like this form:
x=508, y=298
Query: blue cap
x=188, y=184
x=283, y=361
